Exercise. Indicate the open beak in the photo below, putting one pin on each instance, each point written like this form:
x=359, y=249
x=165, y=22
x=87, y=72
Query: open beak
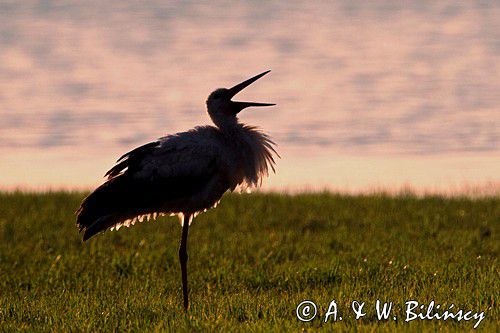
x=239, y=87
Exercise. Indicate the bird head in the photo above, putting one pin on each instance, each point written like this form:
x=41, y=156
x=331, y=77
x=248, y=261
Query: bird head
x=220, y=105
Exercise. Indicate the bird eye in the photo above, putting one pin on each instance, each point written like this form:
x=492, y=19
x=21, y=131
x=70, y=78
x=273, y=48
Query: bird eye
x=218, y=94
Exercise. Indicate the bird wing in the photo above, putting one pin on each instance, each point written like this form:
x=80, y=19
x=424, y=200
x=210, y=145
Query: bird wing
x=175, y=174
x=132, y=158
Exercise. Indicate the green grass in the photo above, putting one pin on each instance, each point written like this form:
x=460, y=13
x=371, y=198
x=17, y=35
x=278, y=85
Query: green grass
x=252, y=260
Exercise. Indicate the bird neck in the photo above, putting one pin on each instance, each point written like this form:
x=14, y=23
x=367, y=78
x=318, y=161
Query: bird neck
x=225, y=123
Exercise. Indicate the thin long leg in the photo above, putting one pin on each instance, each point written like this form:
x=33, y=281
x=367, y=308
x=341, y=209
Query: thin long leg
x=183, y=258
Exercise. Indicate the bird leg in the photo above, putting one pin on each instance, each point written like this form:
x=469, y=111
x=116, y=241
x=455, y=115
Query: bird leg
x=183, y=258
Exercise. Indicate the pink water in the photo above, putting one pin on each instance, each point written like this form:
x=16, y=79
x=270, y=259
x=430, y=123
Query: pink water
x=370, y=94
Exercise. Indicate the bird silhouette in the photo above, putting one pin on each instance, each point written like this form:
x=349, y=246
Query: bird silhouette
x=184, y=173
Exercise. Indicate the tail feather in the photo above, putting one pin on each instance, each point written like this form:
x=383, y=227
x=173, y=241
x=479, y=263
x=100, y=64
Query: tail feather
x=102, y=224
x=108, y=205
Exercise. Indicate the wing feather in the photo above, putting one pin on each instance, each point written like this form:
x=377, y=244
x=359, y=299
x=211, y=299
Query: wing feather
x=166, y=176
x=131, y=158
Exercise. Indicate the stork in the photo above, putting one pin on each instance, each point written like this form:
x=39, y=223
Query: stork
x=183, y=174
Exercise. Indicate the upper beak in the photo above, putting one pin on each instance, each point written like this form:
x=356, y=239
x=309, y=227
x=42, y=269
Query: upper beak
x=240, y=86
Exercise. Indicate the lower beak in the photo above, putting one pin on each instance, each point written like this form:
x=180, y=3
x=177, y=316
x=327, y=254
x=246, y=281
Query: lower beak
x=243, y=105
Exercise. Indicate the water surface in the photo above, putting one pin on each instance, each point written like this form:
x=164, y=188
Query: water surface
x=369, y=94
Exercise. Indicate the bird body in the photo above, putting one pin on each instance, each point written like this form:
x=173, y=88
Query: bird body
x=184, y=173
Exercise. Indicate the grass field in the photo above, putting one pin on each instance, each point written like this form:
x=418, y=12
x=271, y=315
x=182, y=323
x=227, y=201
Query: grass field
x=253, y=259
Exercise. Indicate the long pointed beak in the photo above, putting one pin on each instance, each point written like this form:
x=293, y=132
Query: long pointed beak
x=240, y=86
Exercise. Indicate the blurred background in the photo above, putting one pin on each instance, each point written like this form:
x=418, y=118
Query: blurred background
x=371, y=94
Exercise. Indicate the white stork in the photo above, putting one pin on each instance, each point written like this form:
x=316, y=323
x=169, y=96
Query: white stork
x=184, y=173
